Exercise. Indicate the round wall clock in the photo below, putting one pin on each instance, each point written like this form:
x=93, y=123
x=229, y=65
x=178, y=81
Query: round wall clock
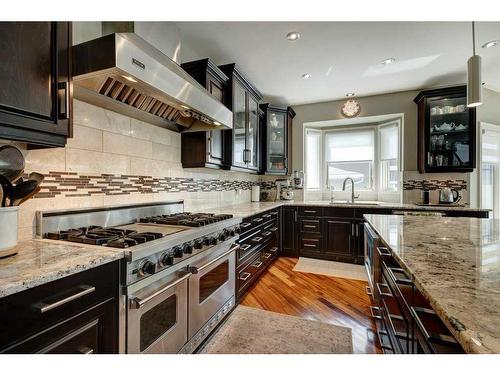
x=351, y=108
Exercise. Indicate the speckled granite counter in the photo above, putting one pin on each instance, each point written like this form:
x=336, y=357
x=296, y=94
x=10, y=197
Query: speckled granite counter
x=39, y=262
x=254, y=208
x=455, y=263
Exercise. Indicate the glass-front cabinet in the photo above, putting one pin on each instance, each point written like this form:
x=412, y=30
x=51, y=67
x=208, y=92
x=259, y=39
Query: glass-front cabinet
x=241, y=144
x=276, y=126
x=446, y=131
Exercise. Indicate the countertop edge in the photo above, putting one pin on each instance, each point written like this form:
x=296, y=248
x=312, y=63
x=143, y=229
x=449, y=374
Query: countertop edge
x=464, y=338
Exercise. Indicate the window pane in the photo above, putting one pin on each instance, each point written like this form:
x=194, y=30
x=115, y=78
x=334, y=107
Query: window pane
x=389, y=142
x=359, y=171
x=349, y=146
x=313, y=160
x=389, y=175
x=487, y=185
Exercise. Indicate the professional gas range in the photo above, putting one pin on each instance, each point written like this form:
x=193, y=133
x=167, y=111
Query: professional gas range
x=178, y=276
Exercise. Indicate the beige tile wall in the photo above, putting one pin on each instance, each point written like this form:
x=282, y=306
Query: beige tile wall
x=107, y=142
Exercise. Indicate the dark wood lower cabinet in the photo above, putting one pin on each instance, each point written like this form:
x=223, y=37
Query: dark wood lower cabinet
x=288, y=231
x=75, y=314
x=339, y=238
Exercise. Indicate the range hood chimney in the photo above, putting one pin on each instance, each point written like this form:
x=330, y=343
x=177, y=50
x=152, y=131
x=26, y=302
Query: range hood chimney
x=126, y=74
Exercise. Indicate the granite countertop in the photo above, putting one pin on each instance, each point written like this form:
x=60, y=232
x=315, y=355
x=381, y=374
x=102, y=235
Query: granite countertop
x=455, y=263
x=253, y=208
x=41, y=261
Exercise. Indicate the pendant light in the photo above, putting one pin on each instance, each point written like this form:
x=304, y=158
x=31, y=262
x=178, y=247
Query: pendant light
x=474, y=82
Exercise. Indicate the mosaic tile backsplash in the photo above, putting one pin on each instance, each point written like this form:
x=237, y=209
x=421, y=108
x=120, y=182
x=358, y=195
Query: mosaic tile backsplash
x=71, y=184
x=434, y=184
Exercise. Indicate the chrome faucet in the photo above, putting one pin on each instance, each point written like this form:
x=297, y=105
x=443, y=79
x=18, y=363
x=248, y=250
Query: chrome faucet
x=353, y=196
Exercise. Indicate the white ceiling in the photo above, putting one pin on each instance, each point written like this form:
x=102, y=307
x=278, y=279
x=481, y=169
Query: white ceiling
x=343, y=56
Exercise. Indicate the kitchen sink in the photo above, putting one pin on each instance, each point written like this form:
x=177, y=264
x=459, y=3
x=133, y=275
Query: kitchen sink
x=357, y=203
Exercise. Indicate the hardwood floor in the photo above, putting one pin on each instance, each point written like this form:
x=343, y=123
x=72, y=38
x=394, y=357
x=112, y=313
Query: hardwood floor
x=323, y=298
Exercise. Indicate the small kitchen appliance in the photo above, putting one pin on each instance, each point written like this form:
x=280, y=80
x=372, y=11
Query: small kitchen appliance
x=298, y=179
x=449, y=196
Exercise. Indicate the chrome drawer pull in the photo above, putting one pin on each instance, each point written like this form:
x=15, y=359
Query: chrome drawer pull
x=258, y=220
x=310, y=212
x=245, y=247
x=245, y=278
x=273, y=229
x=377, y=315
x=267, y=234
x=244, y=225
x=369, y=291
x=273, y=249
x=43, y=307
x=257, y=264
x=275, y=213
x=383, y=251
x=257, y=239
x=309, y=245
x=310, y=226
x=386, y=294
x=266, y=255
x=86, y=350
x=267, y=216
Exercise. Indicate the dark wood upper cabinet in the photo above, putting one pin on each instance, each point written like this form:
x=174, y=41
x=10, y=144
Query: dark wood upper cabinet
x=446, y=131
x=241, y=144
x=36, y=92
x=276, y=139
x=205, y=149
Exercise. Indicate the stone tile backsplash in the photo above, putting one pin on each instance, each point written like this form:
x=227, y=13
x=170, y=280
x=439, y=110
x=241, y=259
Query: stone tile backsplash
x=114, y=159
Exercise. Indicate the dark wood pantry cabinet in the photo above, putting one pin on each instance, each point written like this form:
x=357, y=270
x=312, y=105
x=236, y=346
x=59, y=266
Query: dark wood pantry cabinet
x=276, y=128
x=72, y=315
x=446, y=131
x=205, y=149
x=241, y=144
x=35, y=76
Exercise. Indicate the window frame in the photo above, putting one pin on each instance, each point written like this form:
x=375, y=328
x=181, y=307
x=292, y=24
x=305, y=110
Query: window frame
x=321, y=158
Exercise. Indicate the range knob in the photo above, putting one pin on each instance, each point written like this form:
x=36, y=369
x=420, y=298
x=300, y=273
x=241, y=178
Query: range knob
x=222, y=237
x=147, y=268
x=206, y=241
x=237, y=229
x=213, y=240
x=231, y=233
x=187, y=249
x=167, y=259
x=198, y=244
x=178, y=253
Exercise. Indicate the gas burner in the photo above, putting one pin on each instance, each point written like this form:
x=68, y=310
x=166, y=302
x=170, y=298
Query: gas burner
x=112, y=237
x=186, y=218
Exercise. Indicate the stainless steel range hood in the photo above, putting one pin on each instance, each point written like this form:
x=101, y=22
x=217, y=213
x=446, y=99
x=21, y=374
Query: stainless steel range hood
x=126, y=74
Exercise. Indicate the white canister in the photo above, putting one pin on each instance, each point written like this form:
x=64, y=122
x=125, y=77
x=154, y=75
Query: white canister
x=9, y=222
x=255, y=193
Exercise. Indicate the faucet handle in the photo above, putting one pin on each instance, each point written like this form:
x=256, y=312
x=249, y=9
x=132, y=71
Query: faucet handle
x=356, y=196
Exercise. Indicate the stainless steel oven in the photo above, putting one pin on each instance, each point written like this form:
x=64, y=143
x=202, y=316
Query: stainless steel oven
x=212, y=288
x=157, y=316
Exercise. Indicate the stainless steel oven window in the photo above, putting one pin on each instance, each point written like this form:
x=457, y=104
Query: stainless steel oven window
x=157, y=321
x=213, y=280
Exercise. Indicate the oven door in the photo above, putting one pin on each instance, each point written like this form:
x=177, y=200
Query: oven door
x=157, y=316
x=212, y=286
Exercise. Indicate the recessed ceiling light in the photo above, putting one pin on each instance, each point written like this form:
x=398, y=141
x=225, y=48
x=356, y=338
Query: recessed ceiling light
x=129, y=78
x=491, y=43
x=306, y=76
x=293, y=35
x=216, y=123
x=388, y=61
x=349, y=94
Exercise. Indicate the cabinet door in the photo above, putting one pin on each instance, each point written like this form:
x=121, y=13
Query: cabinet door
x=253, y=155
x=239, y=124
x=35, y=63
x=276, y=142
x=338, y=237
x=215, y=141
x=288, y=231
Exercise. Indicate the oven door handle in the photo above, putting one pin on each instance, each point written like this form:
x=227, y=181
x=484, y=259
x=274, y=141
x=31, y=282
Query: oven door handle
x=137, y=302
x=233, y=248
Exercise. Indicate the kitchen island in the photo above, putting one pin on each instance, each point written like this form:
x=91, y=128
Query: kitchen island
x=455, y=264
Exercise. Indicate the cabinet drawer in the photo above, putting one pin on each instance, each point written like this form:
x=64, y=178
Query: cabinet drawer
x=310, y=211
x=309, y=243
x=344, y=212
x=43, y=306
x=247, y=274
x=310, y=225
x=90, y=332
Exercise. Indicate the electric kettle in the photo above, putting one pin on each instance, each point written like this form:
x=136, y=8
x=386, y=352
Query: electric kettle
x=447, y=196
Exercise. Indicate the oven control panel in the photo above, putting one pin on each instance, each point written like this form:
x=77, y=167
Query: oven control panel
x=145, y=267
